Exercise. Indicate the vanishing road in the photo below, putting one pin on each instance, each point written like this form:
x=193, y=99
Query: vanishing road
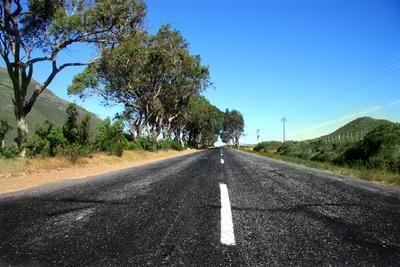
x=203, y=209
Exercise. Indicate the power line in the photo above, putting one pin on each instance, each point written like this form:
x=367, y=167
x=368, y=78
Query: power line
x=359, y=86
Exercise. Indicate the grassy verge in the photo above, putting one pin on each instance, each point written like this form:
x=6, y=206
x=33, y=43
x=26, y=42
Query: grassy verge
x=21, y=174
x=26, y=166
x=360, y=172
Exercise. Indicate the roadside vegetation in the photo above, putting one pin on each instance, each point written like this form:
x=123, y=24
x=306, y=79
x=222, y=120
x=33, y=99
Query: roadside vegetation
x=376, y=156
x=153, y=76
x=75, y=140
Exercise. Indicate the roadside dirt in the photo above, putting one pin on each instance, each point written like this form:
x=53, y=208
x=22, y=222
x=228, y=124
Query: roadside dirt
x=25, y=180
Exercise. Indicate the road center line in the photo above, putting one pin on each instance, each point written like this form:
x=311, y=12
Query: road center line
x=227, y=233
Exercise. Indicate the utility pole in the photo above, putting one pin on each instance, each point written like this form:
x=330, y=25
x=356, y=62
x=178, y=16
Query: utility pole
x=258, y=135
x=284, y=120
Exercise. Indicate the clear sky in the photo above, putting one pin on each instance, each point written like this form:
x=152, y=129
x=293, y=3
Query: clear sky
x=319, y=63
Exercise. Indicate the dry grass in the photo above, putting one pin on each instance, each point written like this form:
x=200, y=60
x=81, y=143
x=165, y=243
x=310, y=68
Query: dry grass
x=24, y=173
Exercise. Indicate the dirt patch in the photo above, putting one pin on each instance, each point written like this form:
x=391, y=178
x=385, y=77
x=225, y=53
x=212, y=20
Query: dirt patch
x=24, y=173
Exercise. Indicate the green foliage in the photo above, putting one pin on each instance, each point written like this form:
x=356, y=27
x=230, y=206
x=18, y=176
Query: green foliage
x=133, y=145
x=267, y=146
x=169, y=145
x=4, y=129
x=314, y=150
x=110, y=137
x=76, y=132
x=359, y=126
x=233, y=126
x=36, y=31
x=46, y=141
x=86, y=79
x=70, y=128
x=154, y=77
x=151, y=144
x=9, y=152
x=380, y=149
x=204, y=122
x=148, y=143
x=84, y=130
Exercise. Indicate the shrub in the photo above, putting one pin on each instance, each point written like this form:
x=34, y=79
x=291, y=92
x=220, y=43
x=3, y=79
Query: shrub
x=36, y=146
x=111, y=137
x=46, y=141
x=379, y=149
x=267, y=146
x=9, y=152
x=133, y=145
x=169, y=144
x=148, y=143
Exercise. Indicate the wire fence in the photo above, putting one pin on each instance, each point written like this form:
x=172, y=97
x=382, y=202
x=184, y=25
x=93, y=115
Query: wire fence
x=338, y=138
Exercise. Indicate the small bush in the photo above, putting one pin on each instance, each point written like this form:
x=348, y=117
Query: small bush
x=9, y=152
x=379, y=149
x=111, y=137
x=46, y=141
x=267, y=146
x=148, y=143
x=36, y=146
x=169, y=144
x=133, y=145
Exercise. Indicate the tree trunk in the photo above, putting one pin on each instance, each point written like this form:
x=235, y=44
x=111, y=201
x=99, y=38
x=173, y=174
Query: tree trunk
x=3, y=144
x=22, y=132
x=139, y=130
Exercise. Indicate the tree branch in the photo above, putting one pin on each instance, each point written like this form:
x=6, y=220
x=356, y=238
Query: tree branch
x=40, y=88
x=36, y=60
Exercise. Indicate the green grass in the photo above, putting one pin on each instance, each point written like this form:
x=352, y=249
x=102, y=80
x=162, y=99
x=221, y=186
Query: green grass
x=360, y=172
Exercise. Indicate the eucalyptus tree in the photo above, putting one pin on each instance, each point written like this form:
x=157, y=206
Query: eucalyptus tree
x=39, y=31
x=173, y=75
x=153, y=77
x=118, y=77
x=204, y=122
x=190, y=78
x=233, y=126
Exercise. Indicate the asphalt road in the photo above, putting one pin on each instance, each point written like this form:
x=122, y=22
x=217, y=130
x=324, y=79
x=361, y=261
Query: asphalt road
x=169, y=213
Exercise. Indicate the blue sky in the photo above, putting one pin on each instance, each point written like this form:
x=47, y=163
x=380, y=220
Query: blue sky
x=319, y=63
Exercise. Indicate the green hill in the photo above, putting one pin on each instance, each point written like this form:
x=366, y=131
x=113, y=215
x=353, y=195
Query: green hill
x=47, y=107
x=356, y=129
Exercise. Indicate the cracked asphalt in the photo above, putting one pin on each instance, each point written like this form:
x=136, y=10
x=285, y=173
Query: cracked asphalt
x=168, y=213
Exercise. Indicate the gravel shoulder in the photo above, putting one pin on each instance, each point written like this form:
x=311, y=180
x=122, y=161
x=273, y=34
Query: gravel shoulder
x=22, y=181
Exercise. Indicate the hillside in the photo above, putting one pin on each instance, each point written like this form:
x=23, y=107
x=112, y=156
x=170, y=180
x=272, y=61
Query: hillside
x=358, y=127
x=47, y=107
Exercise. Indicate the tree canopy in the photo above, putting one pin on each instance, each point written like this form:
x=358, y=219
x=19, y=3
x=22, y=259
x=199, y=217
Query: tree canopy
x=233, y=127
x=38, y=31
x=154, y=76
x=156, y=79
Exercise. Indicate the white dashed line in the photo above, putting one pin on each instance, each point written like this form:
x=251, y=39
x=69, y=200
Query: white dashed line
x=227, y=233
x=222, y=161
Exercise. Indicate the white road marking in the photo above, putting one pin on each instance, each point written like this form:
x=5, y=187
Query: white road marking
x=83, y=214
x=222, y=161
x=227, y=233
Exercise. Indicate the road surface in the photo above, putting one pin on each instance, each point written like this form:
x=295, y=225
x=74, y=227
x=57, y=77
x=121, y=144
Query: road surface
x=204, y=209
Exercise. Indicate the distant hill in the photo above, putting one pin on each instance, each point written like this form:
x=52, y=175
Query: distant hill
x=357, y=128
x=47, y=107
x=363, y=124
